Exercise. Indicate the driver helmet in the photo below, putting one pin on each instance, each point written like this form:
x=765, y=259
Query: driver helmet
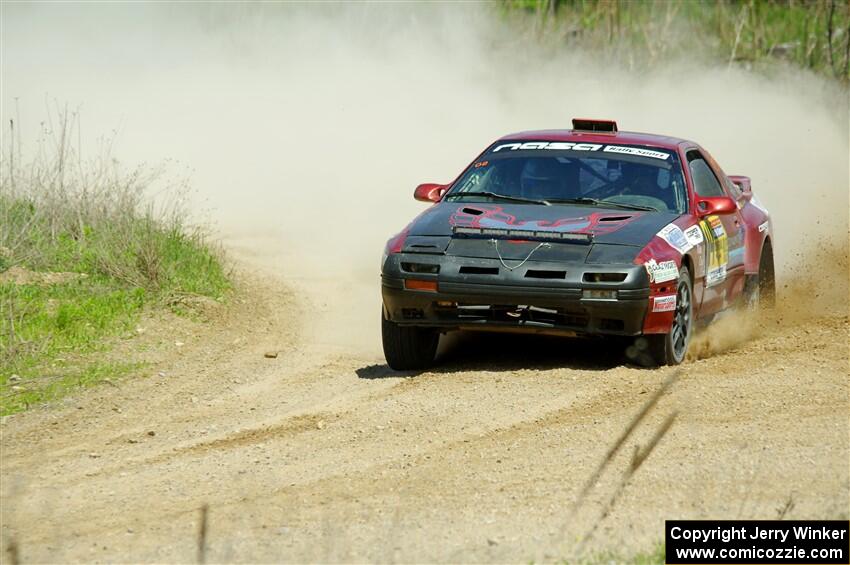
x=540, y=178
x=641, y=179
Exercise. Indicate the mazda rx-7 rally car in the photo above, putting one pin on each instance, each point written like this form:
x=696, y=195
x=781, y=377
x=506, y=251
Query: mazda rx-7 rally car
x=588, y=231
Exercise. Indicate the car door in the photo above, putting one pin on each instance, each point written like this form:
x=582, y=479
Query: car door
x=724, y=238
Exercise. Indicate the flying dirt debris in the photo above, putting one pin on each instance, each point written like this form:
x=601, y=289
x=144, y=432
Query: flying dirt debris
x=302, y=130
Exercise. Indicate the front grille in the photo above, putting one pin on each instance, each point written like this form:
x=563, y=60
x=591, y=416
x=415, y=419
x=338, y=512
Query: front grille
x=611, y=325
x=545, y=274
x=511, y=314
x=467, y=270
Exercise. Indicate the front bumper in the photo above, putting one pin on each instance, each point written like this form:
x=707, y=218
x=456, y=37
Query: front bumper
x=539, y=296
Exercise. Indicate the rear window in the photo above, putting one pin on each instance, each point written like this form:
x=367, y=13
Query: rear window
x=553, y=171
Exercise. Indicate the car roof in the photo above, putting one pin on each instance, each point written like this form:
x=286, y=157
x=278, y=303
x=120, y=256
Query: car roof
x=625, y=137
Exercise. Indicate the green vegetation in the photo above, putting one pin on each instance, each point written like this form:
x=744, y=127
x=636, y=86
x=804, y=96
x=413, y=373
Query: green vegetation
x=654, y=557
x=812, y=34
x=82, y=252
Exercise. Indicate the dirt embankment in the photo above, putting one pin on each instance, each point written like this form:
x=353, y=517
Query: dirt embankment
x=326, y=455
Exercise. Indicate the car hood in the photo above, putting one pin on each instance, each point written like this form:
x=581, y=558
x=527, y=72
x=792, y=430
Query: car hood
x=618, y=235
x=607, y=225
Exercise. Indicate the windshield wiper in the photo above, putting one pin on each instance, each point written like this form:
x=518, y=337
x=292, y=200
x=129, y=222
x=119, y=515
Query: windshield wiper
x=501, y=196
x=597, y=202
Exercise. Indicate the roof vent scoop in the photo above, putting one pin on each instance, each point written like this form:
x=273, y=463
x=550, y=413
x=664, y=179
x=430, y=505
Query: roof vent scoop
x=605, y=126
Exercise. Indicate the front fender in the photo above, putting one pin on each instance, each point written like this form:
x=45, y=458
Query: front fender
x=665, y=247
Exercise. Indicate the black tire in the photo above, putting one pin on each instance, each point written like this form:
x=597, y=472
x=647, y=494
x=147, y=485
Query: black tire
x=672, y=348
x=767, y=278
x=407, y=347
x=760, y=290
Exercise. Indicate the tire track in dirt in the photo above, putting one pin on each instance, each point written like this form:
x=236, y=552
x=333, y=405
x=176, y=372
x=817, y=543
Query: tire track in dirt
x=238, y=440
x=488, y=447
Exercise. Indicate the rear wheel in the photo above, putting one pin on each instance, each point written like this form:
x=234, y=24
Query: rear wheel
x=408, y=347
x=671, y=348
x=767, y=278
x=760, y=290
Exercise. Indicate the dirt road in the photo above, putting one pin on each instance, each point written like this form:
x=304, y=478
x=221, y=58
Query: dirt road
x=322, y=454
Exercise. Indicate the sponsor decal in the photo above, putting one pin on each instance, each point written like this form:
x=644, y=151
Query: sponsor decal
x=570, y=146
x=715, y=276
x=480, y=164
x=673, y=234
x=635, y=151
x=550, y=145
x=763, y=227
x=694, y=235
x=664, y=303
x=716, y=226
x=716, y=249
x=661, y=272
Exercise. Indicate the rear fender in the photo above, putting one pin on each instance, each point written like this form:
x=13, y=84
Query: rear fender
x=758, y=226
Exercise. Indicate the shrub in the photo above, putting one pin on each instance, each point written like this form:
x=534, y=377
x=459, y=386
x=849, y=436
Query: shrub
x=83, y=249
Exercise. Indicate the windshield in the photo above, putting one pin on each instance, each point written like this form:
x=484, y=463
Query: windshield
x=585, y=173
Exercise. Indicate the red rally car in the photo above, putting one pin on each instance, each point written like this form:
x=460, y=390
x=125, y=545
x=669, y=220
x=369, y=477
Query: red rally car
x=586, y=231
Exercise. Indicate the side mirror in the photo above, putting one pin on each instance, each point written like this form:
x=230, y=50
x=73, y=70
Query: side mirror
x=744, y=184
x=429, y=192
x=718, y=205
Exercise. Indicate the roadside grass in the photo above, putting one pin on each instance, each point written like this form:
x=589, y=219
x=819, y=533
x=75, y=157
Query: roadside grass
x=53, y=332
x=653, y=557
x=84, y=250
x=813, y=35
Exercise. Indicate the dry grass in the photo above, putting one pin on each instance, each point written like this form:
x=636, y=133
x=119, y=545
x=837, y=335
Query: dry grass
x=61, y=213
x=84, y=247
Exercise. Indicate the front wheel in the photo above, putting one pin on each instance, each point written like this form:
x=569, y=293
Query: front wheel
x=671, y=348
x=408, y=347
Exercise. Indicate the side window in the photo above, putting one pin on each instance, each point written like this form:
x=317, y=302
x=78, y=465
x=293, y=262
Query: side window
x=705, y=183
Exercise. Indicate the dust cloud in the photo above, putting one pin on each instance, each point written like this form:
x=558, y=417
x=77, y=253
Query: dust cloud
x=306, y=127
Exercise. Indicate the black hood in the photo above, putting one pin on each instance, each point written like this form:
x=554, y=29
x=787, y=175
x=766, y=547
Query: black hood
x=607, y=225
